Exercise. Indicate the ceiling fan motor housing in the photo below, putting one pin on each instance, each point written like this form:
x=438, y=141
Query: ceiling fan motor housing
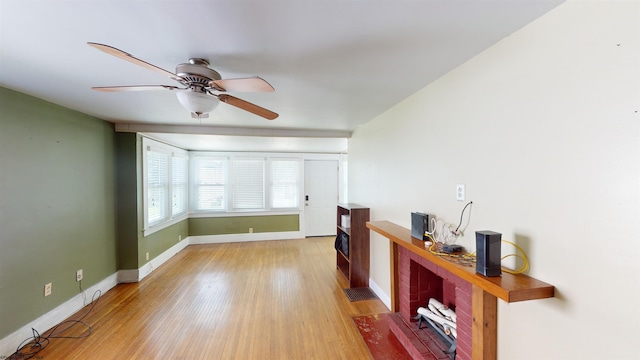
x=197, y=72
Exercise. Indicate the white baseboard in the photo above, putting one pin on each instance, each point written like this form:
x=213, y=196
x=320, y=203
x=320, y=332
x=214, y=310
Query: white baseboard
x=162, y=258
x=381, y=295
x=226, y=238
x=136, y=275
x=9, y=344
x=128, y=276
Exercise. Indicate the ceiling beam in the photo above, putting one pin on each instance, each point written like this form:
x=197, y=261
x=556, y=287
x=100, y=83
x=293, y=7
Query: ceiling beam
x=228, y=130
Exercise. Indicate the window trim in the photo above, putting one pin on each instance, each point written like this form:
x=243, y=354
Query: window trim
x=185, y=186
x=237, y=169
x=194, y=185
x=270, y=183
x=301, y=157
x=169, y=219
x=267, y=183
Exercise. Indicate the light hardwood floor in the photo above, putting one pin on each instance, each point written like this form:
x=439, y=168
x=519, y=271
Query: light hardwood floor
x=258, y=300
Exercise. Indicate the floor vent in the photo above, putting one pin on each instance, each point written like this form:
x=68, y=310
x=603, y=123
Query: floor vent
x=357, y=294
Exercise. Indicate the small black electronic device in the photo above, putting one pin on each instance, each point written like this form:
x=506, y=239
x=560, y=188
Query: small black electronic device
x=488, y=245
x=452, y=248
x=420, y=223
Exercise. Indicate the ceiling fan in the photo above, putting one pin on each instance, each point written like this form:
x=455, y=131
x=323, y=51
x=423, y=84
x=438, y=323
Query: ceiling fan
x=202, y=85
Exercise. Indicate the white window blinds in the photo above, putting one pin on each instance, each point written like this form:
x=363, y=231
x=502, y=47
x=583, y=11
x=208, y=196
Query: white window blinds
x=285, y=183
x=210, y=184
x=157, y=186
x=247, y=184
x=166, y=185
x=179, y=185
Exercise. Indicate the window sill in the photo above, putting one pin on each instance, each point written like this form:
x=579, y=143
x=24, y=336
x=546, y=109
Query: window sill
x=164, y=225
x=243, y=213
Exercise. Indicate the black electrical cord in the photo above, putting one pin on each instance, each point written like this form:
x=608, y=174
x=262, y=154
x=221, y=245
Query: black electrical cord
x=461, y=215
x=36, y=343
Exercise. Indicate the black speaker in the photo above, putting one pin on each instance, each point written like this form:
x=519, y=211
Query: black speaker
x=488, y=244
x=419, y=224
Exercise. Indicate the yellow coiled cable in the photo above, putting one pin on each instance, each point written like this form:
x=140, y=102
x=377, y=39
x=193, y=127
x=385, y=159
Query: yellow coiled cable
x=523, y=257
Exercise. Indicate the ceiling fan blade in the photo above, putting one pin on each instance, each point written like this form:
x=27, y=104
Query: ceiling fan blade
x=126, y=56
x=247, y=106
x=134, y=88
x=254, y=84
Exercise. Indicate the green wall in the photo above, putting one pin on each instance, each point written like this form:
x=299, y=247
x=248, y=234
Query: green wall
x=70, y=198
x=241, y=224
x=57, y=205
x=158, y=242
x=127, y=200
x=132, y=244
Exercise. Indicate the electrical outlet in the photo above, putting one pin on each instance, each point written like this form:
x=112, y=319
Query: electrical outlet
x=47, y=289
x=250, y=230
x=179, y=238
x=460, y=192
x=146, y=256
x=79, y=275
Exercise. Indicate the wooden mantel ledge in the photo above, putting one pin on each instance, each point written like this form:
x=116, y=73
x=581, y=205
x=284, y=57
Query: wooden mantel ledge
x=508, y=287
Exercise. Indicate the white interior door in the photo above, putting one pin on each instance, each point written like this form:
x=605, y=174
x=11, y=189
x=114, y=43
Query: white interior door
x=321, y=197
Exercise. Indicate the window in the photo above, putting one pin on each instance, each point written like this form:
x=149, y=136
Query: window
x=210, y=184
x=285, y=183
x=179, y=185
x=165, y=172
x=245, y=184
x=157, y=186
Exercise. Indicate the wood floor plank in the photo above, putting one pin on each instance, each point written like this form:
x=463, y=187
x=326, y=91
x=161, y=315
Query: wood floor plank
x=258, y=300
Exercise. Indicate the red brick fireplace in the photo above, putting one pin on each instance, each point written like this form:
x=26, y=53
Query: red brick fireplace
x=418, y=281
x=417, y=275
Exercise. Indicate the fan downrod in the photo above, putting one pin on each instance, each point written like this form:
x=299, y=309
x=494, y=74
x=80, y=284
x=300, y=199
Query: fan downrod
x=199, y=61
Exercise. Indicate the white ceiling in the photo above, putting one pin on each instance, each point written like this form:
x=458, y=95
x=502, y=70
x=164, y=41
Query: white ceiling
x=334, y=64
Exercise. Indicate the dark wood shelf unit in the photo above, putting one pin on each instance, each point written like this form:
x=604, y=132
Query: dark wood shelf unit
x=355, y=266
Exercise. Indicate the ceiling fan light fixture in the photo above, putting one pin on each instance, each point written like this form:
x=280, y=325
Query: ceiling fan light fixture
x=197, y=102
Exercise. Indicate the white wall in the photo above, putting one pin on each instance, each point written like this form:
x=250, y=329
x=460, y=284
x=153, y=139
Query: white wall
x=543, y=128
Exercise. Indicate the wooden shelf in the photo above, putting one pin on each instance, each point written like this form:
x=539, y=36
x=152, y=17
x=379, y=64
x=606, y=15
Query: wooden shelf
x=508, y=287
x=355, y=266
x=342, y=263
x=345, y=230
